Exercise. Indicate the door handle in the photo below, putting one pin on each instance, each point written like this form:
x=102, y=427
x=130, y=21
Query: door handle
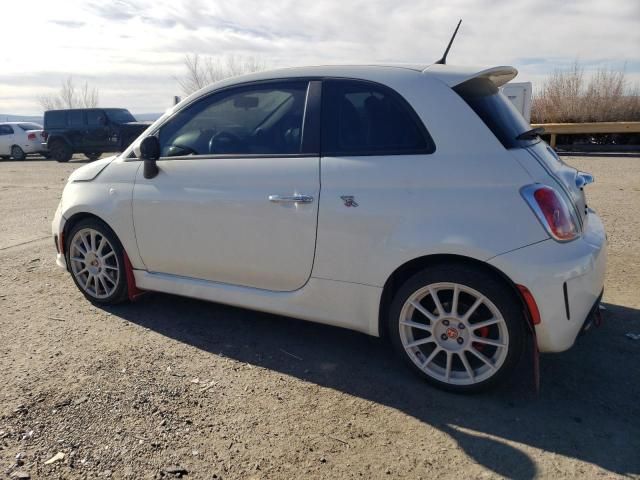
x=291, y=199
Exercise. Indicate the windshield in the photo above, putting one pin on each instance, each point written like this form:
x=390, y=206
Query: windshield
x=119, y=115
x=30, y=126
x=496, y=111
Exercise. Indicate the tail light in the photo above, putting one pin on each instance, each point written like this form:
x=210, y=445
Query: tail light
x=31, y=136
x=552, y=211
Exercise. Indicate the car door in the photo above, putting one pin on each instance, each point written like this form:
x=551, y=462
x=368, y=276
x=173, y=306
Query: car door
x=98, y=132
x=236, y=197
x=77, y=129
x=6, y=139
x=376, y=171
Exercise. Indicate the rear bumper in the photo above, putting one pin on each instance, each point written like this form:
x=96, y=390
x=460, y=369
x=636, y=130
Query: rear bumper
x=565, y=279
x=34, y=147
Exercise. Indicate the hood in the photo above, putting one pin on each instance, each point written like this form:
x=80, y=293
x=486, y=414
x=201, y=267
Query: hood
x=90, y=171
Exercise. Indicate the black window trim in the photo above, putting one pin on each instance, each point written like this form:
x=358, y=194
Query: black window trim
x=10, y=131
x=312, y=134
x=310, y=141
x=428, y=150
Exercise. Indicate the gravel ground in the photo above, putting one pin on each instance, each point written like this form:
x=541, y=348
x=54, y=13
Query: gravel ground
x=169, y=387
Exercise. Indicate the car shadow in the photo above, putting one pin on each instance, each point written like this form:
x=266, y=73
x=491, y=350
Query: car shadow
x=585, y=409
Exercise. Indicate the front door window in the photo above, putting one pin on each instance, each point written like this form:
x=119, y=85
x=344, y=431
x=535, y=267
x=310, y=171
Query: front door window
x=255, y=120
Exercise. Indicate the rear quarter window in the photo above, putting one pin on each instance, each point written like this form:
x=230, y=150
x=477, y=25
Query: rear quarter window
x=55, y=119
x=76, y=118
x=496, y=111
x=365, y=118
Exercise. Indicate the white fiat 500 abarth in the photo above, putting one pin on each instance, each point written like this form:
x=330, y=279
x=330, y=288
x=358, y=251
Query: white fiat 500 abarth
x=412, y=202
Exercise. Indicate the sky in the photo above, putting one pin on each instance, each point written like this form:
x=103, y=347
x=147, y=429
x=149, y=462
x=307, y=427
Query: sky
x=133, y=50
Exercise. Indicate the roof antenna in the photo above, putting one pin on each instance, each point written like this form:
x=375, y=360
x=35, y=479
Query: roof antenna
x=443, y=60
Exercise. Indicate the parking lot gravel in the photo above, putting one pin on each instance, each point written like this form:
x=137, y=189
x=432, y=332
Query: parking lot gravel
x=170, y=387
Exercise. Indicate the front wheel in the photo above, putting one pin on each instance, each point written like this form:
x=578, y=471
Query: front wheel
x=96, y=261
x=17, y=153
x=460, y=328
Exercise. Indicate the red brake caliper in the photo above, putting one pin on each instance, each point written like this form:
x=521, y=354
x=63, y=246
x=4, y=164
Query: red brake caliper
x=484, y=332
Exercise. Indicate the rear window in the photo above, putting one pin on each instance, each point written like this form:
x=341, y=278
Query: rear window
x=55, y=119
x=30, y=126
x=496, y=111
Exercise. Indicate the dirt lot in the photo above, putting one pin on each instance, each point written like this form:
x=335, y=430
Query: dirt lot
x=169, y=385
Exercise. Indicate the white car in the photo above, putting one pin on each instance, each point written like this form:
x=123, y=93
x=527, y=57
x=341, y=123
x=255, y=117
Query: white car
x=17, y=139
x=409, y=202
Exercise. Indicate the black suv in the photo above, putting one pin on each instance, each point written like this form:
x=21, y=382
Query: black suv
x=91, y=131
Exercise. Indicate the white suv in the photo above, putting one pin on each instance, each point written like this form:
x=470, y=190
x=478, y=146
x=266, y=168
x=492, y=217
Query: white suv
x=412, y=202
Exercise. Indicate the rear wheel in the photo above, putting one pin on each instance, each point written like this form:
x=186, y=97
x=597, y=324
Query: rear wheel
x=17, y=153
x=61, y=151
x=96, y=261
x=460, y=328
x=93, y=156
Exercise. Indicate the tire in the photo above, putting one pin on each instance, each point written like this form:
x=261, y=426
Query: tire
x=95, y=259
x=448, y=348
x=61, y=151
x=93, y=156
x=17, y=153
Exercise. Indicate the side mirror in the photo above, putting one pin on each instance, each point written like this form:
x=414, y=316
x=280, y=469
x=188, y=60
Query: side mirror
x=150, y=153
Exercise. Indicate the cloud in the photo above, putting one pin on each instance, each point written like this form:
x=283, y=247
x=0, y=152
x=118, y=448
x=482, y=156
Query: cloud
x=68, y=23
x=146, y=41
x=117, y=10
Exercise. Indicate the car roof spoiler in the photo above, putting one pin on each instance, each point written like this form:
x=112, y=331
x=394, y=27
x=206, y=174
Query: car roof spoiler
x=453, y=75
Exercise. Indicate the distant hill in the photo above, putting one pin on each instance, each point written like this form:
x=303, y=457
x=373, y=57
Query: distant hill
x=20, y=118
x=7, y=117
x=147, y=117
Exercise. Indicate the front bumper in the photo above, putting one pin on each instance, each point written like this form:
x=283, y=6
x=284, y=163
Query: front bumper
x=57, y=229
x=565, y=279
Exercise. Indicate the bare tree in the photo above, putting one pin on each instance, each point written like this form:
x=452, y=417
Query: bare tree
x=70, y=97
x=605, y=96
x=202, y=71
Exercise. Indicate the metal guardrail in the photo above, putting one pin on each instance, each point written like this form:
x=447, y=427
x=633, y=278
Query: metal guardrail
x=554, y=129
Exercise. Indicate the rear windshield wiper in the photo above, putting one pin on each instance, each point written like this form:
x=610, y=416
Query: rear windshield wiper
x=530, y=134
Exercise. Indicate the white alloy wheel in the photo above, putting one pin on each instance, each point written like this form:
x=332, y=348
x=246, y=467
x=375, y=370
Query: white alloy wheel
x=453, y=333
x=94, y=263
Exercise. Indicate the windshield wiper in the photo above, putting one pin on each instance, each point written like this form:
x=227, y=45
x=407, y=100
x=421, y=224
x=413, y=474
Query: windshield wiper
x=530, y=134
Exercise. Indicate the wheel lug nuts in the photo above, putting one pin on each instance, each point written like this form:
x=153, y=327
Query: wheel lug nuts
x=444, y=336
x=461, y=326
x=445, y=323
x=460, y=340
